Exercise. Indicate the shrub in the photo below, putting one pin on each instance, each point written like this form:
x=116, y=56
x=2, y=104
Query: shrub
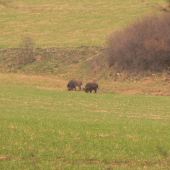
x=26, y=51
x=144, y=45
x=96, y=64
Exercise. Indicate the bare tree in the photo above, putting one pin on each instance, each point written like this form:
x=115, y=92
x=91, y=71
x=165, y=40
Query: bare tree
x=26, y=51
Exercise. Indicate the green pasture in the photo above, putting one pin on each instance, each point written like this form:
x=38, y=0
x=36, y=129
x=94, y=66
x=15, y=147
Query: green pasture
x=67, y=22
x=49, y=129
x=42, y=125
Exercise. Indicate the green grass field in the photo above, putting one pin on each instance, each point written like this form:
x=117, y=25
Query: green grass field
x=42, y=125
x=49, y=129
x=67, y=23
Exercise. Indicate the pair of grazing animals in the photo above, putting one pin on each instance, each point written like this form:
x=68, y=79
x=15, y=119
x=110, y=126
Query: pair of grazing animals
x=89, y=86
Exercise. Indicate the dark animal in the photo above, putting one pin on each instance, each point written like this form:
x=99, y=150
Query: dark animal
x=91, y=86
x=73, y=83
x=168, y=72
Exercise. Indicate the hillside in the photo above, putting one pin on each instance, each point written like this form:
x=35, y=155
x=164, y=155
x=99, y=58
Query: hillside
x=70, y=42
x=64, y=61
x=67, y=23
x=54, y=67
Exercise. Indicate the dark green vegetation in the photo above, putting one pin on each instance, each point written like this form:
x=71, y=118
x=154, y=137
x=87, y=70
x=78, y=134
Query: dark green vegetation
x=47, y=129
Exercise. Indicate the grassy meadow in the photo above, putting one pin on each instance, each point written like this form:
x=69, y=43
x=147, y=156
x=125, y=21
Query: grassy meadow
x=67, y=23
x=50, y=129
x=44, y=126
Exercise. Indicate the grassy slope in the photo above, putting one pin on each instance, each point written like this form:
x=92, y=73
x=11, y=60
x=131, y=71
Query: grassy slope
x=44, y=127
x=49, y=129
x=150, y=85
x=66, y=23
x=86, y=63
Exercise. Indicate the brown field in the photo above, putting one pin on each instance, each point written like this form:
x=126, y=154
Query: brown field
x=151, y=85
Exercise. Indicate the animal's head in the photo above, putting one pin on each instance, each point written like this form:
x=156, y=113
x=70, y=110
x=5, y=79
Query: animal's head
x=69, y=87
x=85, y=90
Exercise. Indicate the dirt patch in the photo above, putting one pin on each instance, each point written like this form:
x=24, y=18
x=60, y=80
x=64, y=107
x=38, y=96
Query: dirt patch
x=131, y=91
x=157, y=92
x=140, y=91
x=6, y=157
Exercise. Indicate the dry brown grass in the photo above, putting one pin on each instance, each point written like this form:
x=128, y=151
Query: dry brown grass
x=142, y=46
x=41, y=82
x=152, y=86
x=5, y=157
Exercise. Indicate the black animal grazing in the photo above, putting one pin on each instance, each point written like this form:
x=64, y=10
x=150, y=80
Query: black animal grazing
x=91, y=86
x=73, y=83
